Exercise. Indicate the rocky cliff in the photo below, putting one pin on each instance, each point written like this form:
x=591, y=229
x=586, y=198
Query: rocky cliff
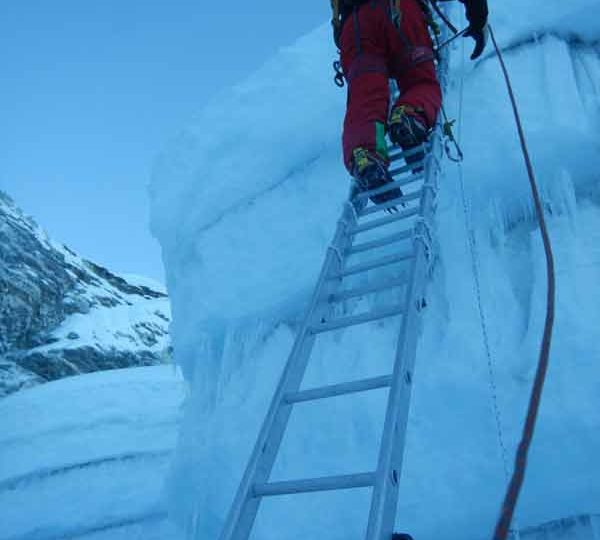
x=62, y=315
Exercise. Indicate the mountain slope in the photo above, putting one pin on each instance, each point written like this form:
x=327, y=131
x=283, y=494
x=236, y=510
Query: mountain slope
x=86, y=457
x=63, y=315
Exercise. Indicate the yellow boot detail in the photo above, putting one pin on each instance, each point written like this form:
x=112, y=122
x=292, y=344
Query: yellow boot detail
x=361, y=158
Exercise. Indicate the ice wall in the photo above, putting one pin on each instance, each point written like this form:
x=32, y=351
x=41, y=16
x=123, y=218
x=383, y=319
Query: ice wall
x=244, y=205
x=585, y=527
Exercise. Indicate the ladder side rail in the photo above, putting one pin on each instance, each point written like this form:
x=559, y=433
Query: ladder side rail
x=385, y=494
x=244, y=509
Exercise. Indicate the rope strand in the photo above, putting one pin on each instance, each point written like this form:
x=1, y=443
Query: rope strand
x=475, y=269
x=514, y=488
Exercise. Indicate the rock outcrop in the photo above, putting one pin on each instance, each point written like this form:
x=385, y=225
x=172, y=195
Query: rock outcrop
x=62, y=315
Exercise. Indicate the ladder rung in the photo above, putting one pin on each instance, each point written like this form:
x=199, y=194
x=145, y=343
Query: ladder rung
x=388, y=187
x=410, y=167
x=329, y=483
x=408, y=153
x=353, y=320
x=384, y=221
x=390, y=239
x=391, y=204
x=371, y=265
x=367, y=289
x=343, y=389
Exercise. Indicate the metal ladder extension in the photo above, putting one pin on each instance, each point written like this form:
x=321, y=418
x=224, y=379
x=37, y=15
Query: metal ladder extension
x=415, y=211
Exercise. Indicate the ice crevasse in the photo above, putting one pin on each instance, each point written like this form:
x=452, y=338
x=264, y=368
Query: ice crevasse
x=244, y=212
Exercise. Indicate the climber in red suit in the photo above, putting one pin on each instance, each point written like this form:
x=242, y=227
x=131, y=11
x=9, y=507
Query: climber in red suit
x=381, y=40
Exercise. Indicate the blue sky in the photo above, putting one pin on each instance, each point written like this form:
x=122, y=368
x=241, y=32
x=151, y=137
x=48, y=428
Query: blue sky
x=91, y=90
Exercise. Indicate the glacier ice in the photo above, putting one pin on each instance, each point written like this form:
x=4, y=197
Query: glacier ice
x=244, y=211
x=87, y=456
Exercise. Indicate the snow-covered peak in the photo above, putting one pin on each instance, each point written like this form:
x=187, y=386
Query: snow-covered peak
x=62, y=315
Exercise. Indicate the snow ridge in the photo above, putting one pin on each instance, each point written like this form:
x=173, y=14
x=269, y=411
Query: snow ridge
x=63, y=315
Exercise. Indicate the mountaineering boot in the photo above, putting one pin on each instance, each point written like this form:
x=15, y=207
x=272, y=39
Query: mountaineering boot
x=408, y=130
x=371, y=172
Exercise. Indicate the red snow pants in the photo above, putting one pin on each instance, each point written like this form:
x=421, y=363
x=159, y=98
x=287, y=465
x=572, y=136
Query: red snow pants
x=374, y=50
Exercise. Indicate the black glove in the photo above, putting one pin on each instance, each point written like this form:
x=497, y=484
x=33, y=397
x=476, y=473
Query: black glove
x=477, y=14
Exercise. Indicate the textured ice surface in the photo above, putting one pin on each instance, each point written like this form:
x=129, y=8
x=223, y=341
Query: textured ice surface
x=584, y=527
x=87, y=456
x=244, y=211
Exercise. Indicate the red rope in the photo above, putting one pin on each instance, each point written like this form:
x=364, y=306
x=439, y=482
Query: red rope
x=516, y=482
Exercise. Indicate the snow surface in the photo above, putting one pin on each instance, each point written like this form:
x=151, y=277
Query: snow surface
x=144, y=281
x=140, y=324
x=244, y=212
x=130, y=322
x=87, y=456
x=574, y=528
x=127, y=321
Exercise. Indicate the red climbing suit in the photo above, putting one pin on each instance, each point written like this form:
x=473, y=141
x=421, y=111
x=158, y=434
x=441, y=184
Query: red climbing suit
x=373, y=50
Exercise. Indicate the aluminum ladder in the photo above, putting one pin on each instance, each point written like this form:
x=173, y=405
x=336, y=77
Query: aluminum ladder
x=411, y=226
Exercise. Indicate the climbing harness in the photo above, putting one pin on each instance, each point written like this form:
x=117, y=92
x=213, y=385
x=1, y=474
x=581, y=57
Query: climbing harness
x=416, y=54
x=370, y=63
x=516, y=483
x=338, y=79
